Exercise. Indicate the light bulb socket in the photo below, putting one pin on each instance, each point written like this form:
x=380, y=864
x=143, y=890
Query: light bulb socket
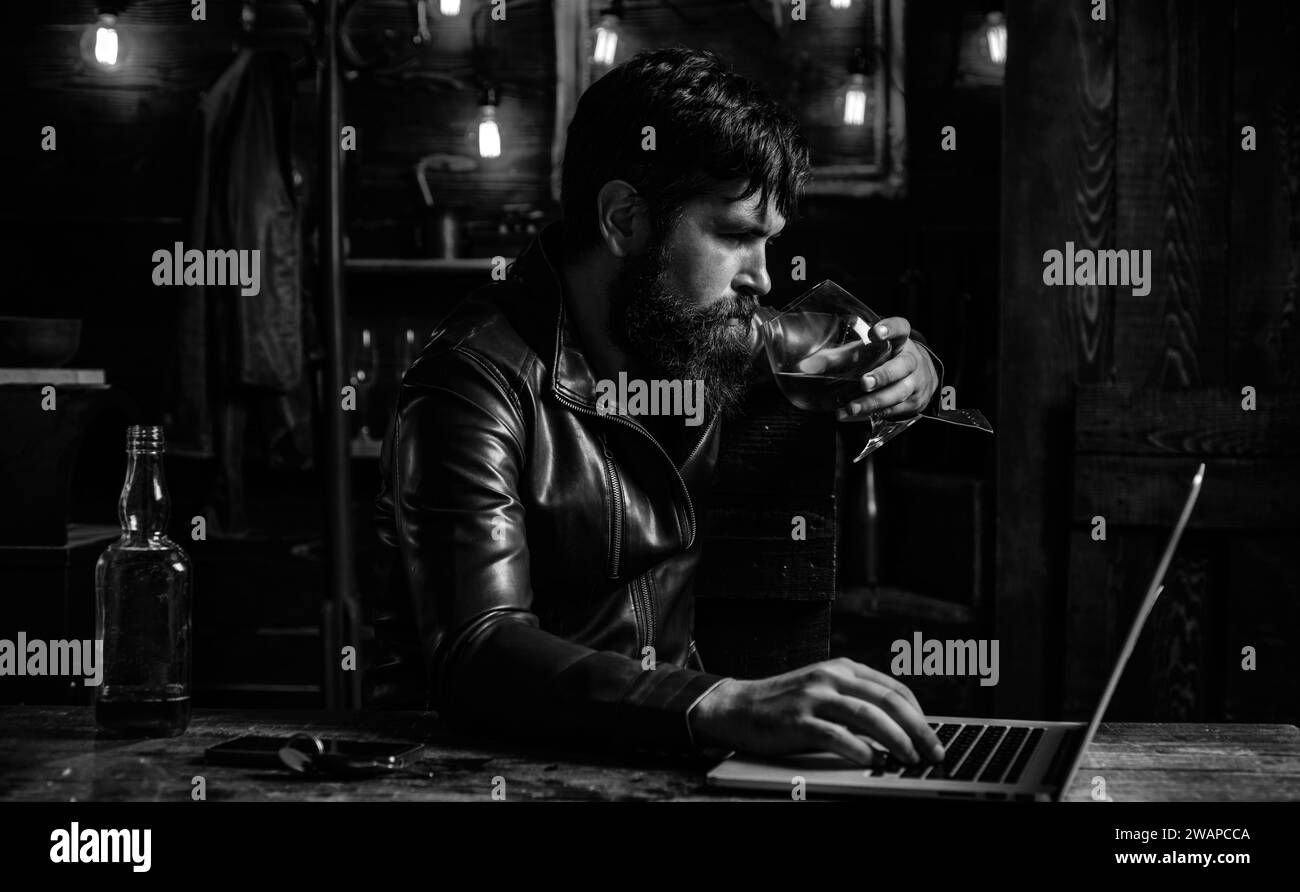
x=615, y=9
x=488, y=95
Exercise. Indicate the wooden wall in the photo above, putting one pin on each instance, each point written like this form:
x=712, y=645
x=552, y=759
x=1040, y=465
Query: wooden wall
x=1126, y=133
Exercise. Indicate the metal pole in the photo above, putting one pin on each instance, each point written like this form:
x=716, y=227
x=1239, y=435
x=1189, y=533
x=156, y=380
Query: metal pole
x=339, y=615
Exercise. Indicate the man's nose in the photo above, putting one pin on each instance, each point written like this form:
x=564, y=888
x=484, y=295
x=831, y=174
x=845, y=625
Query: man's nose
x=753, y=277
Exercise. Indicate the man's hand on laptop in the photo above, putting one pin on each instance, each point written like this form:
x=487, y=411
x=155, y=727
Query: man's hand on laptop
x=824, y=706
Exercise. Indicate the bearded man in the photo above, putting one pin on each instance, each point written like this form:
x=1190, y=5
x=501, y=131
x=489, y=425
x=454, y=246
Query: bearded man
x=543, y=544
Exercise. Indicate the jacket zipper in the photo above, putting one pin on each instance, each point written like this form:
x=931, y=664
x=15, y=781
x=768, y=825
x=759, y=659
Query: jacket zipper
x=618, y=419
x=642, y=603
x=644, y=611
x=681, y=483
x=616, y=513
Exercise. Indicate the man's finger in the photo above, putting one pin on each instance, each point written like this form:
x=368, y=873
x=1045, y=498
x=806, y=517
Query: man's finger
x=891, y=327
x=901, y=710
x=896, y=369
x=863, y=671
x=861, y=409
x=865, y=717
x=841, y=741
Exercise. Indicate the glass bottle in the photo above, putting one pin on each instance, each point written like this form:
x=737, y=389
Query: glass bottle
x=142, y=601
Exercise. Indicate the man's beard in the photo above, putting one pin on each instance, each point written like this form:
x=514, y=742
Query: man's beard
x=678, y=339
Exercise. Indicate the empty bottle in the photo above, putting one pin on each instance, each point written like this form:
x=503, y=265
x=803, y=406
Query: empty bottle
x=142, y=595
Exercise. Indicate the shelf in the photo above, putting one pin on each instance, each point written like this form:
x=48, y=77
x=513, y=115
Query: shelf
x=418, y=265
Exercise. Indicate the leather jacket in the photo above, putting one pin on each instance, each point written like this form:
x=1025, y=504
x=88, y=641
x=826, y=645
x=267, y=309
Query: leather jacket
x=539, y=547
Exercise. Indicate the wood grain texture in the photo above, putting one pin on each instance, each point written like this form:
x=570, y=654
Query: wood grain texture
x=1238, y=494
x=1172, y=190
x=50, y=754
x=1264, y=277
x=1130, y=420
x=1192, y=762
x=1057, y=185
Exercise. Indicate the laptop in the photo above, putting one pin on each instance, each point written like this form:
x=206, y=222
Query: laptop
x=985, y=758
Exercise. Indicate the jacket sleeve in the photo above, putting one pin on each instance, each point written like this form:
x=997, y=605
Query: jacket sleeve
x=459, y=454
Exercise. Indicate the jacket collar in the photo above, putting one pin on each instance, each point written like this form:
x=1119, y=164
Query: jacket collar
x=538, y=266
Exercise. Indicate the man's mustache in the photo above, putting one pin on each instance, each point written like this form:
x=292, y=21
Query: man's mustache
x=740, y=308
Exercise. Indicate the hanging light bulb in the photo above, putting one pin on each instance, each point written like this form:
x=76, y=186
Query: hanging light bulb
x=489, y=132
x=102, y=43
x=855, y=94
x=841, y=4
x=995, y=38
x=449, y=7
x=605, y=39
x=855, y=100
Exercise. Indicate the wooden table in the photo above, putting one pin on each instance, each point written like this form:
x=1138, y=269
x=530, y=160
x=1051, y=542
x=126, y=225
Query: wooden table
x=49, y=753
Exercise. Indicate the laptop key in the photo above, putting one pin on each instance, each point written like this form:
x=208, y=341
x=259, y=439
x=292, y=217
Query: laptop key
x=980, y=752
x=1022, y=760
x=956, y=751
x=997, y=765
x=947, y=732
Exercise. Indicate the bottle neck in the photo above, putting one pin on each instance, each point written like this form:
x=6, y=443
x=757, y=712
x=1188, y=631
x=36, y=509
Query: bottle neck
x=143, y=507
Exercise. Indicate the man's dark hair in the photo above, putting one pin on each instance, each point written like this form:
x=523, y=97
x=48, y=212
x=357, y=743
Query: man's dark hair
x=711, y=124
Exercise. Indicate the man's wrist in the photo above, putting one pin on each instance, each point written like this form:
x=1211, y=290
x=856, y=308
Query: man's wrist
x=702, y=715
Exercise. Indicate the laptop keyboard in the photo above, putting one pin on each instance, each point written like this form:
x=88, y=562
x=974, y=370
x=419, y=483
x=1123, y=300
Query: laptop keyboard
x=986, y=753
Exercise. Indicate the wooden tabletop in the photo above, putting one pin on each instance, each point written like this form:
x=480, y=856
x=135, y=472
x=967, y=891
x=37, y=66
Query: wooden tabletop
x=50, y=753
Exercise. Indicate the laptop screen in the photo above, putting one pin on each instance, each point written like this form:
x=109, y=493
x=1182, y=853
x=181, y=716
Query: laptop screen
x=1153, y=592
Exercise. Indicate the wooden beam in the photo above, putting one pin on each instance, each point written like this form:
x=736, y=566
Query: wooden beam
x=1057, y=186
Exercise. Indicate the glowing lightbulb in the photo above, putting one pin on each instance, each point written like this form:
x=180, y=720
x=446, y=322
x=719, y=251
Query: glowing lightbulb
x=995, y=38
x=841, y=4
x=855, y=100
x=449, y=7
x=106, y=42
x=489, y=134
x=606, y=41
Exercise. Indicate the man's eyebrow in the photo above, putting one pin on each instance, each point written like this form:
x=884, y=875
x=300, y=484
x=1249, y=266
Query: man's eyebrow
x=749, y=226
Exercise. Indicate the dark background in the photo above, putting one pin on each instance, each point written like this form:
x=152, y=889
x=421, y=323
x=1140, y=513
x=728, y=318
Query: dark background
x=1123, y=133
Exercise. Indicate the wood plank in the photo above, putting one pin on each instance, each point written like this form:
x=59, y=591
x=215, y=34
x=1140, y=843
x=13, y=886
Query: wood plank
x=1237, y=494
x=1264, y=278
x=1132, y=420
x=1262, y=612
x=1182, y=678
x=1144, y=762
x=1057, y=185
x=1100, y=574
x=1173, y=101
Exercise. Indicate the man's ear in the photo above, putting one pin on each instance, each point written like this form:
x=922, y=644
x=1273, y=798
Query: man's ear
x=622, y=218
